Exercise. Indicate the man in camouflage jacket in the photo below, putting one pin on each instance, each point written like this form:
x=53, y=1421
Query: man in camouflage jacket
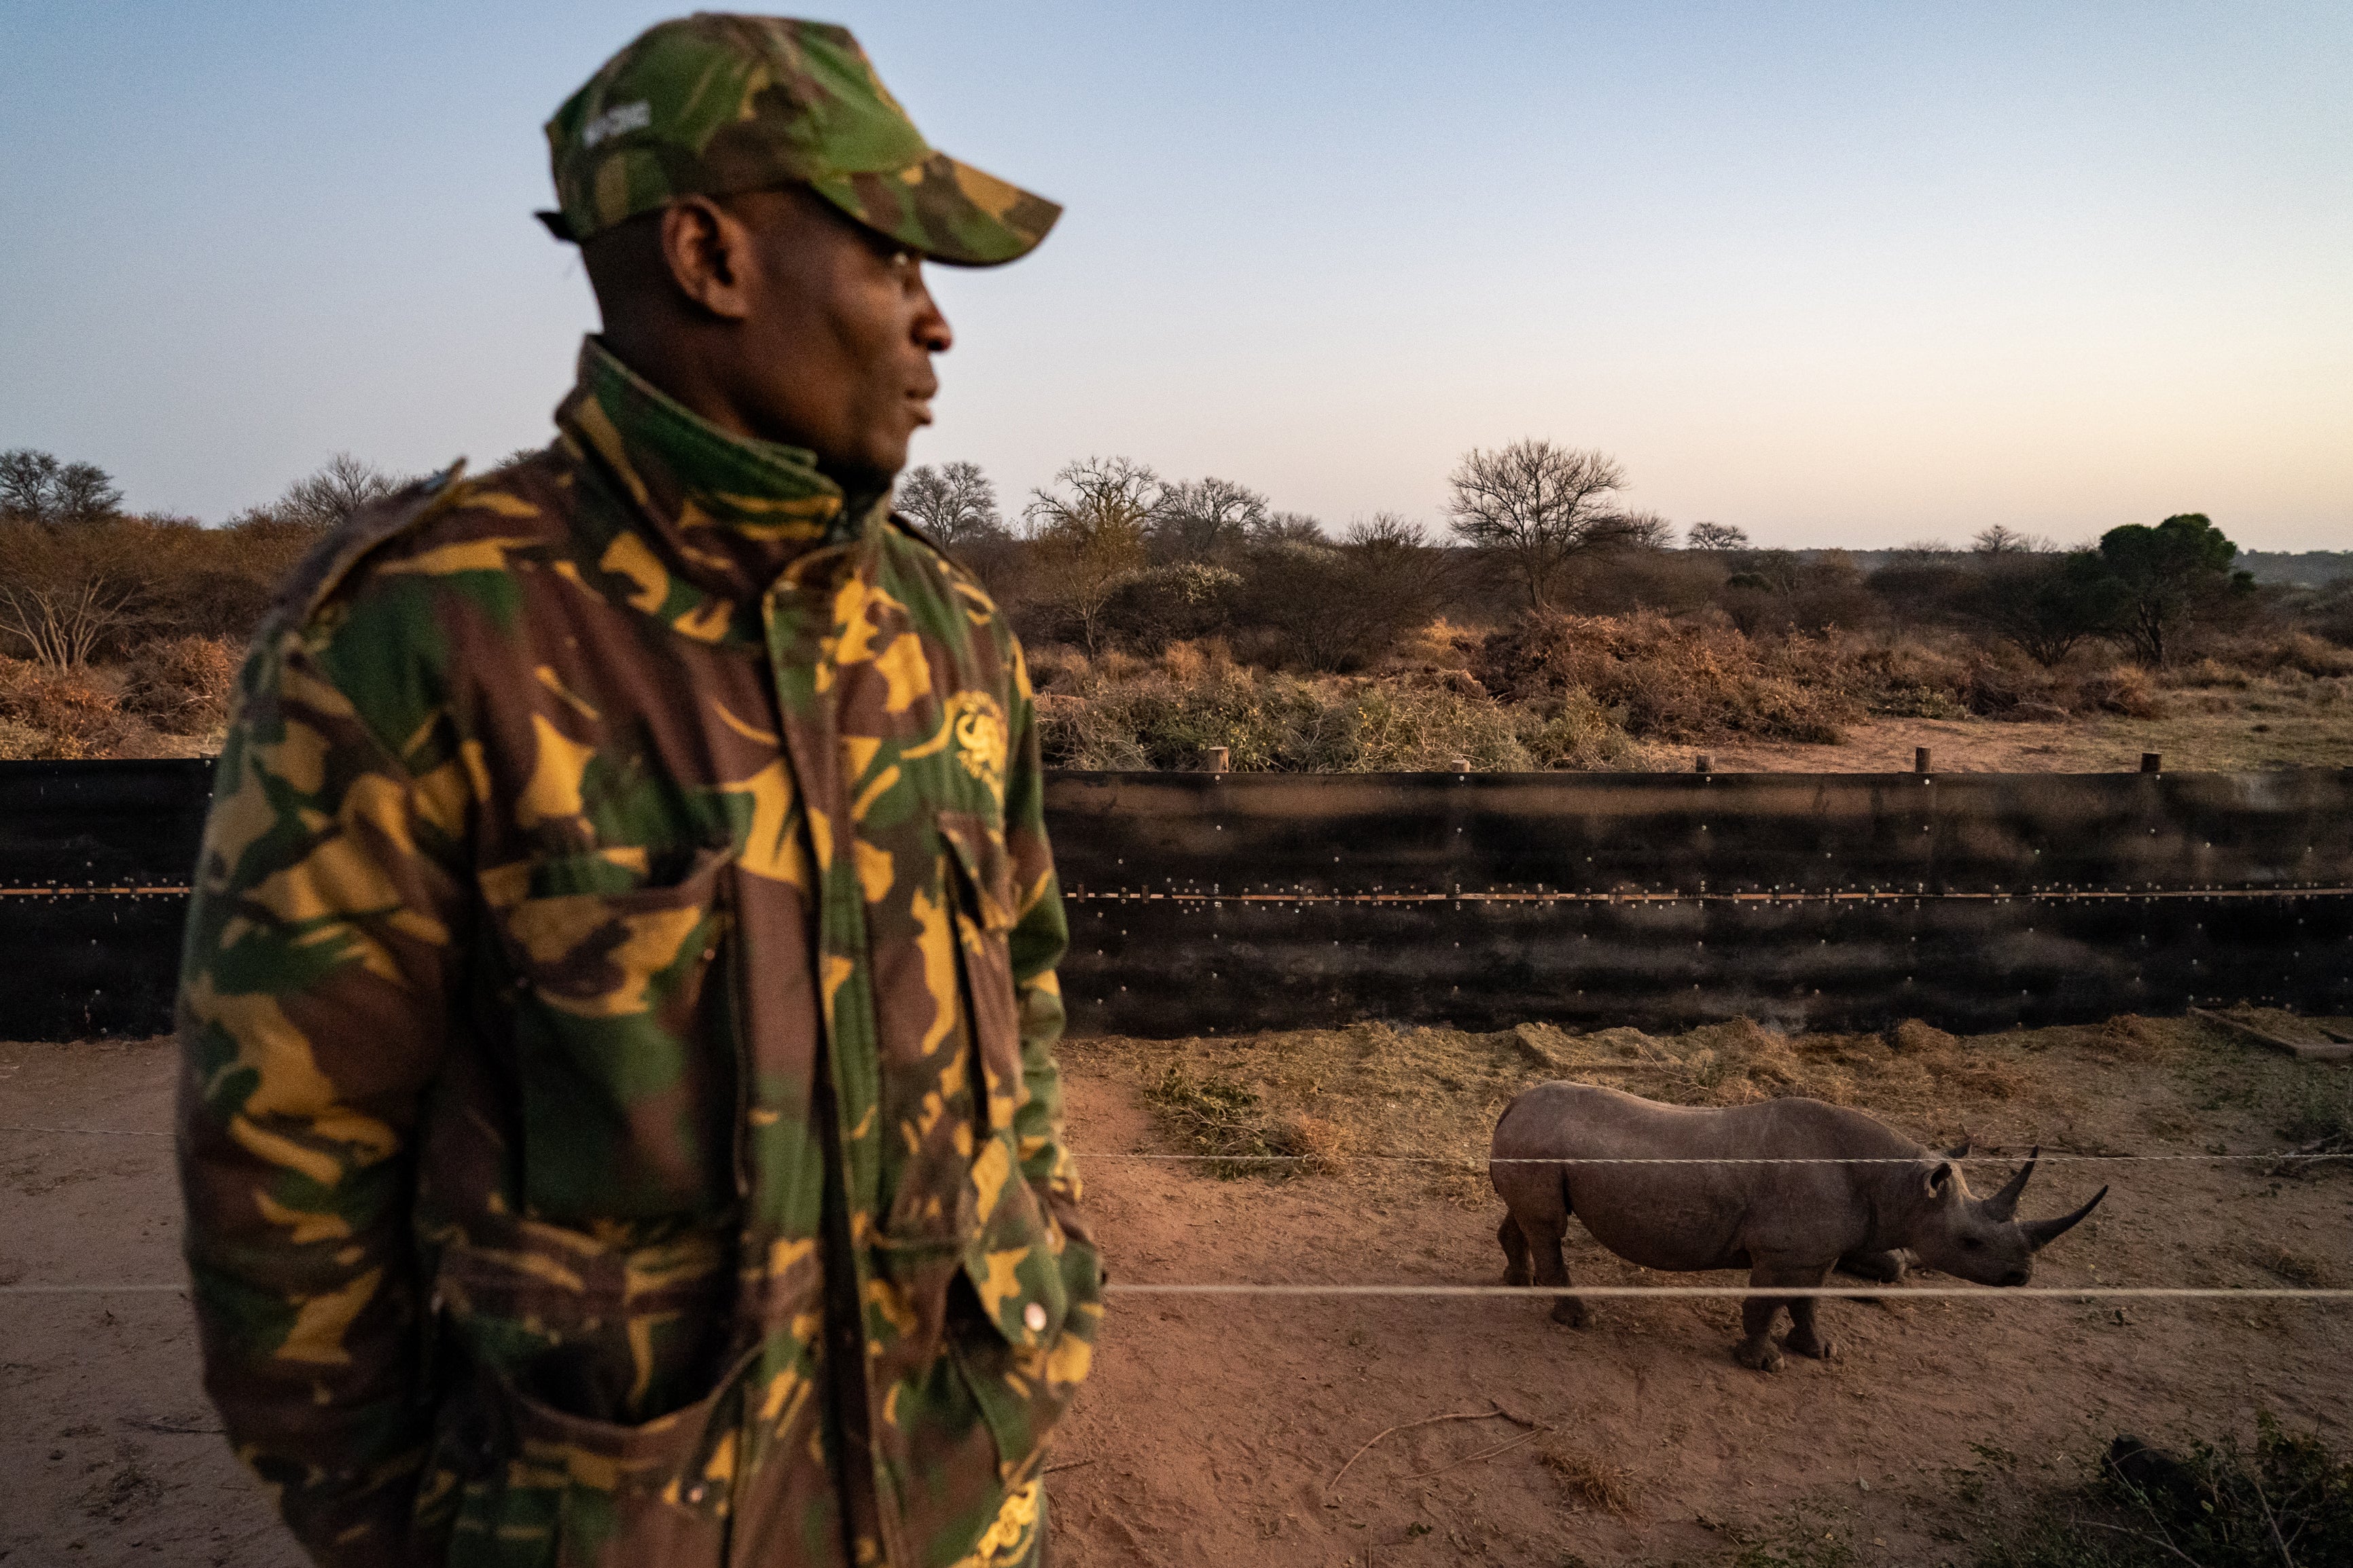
x=618, y=1124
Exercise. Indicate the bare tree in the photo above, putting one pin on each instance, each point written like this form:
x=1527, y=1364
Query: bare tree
x=341, y=485
x=1716, y=536
x=955, y=503
x=1089, y=535
x=1201, y=518
x=1538, y=505
x=2000, y=539
x=1289, y=528
x=1646, y=531
x=35, y=487
x=61, y=592
x=1341, y=606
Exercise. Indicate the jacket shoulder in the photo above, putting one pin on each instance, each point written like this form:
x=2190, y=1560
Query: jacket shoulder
x=523, y=503
x=949, y=578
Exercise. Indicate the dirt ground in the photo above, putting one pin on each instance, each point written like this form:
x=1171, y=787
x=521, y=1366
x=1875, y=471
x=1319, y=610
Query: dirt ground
x=2268, y=726
x=1214, y=1427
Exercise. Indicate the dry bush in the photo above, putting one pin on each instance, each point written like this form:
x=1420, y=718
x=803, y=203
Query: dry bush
x=48, y=714
x=1591, y=1481
x=182, y=685
x=2127, y=689
x=1118, y=712
x=1675, y=682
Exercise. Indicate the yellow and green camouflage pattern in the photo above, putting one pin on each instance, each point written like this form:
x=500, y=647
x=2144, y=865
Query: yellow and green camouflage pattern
x=618, y=1121
x=712, y=105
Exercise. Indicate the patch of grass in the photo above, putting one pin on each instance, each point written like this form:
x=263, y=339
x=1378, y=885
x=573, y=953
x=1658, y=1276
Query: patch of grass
x=1590, y=1481
x=2320, y=1111
x=2287, y=1501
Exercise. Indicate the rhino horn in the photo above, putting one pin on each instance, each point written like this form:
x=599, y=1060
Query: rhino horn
x=2004, y=1203
x=2041, y=1233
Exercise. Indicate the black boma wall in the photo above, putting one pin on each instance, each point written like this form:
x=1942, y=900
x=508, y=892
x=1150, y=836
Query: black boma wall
x=1206, y=903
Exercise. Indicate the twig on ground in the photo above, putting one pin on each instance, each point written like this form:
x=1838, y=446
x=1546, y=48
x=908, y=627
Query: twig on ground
x=1072, y=1465
x=2334, y=1143
x=2142, y=1535
x=1334, y=1485
x=1482, y=1454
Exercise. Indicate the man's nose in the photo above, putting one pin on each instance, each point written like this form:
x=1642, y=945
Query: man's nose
x=930, y=329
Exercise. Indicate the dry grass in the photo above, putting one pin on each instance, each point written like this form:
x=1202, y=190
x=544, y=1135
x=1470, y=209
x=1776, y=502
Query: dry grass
x=182, y=686
x=48, y=714
x=1591, y=1482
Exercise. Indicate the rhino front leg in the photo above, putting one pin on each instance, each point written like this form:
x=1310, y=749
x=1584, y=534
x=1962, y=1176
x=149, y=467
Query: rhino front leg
x=1759, y=1314
x=1804, y=1338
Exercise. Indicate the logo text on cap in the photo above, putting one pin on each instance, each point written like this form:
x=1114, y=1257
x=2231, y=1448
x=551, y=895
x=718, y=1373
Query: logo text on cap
x=613, y=121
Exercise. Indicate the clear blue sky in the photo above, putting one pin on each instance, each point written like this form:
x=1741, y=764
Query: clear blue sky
x=1842, y=274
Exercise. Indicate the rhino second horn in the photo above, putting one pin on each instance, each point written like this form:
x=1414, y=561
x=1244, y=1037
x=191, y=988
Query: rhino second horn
x=2004, y=1203
x=2041, y=1233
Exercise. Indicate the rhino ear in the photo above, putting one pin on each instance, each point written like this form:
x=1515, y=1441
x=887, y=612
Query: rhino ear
x=1960, y=1152
x=1941, y=1180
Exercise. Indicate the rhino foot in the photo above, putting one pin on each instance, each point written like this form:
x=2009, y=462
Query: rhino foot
x=1568, y=1309
x=1760, y=1355
x=1822, y=1347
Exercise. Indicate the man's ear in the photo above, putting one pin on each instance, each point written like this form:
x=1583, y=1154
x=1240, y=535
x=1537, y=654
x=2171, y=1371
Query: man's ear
x=708, y=252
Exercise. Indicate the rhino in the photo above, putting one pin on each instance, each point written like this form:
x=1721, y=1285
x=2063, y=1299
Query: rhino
x=1786, y=1224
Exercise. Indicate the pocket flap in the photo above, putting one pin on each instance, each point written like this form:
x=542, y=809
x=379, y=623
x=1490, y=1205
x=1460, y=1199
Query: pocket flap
x=980, y=855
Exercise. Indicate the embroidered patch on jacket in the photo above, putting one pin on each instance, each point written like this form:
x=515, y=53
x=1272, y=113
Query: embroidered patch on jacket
x=978, y=726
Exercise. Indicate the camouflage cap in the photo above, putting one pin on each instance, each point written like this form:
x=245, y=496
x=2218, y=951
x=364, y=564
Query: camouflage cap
x=712, y=105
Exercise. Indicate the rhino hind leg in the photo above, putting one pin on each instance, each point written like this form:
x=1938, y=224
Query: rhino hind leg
x=1515, y=1251
x=1543, y=1239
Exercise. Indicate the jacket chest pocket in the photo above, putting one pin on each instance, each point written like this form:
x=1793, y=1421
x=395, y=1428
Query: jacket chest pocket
x=623, y=1031
x=982, y=897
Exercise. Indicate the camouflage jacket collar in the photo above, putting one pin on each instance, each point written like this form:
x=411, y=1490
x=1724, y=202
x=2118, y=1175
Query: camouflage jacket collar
x=730, y=513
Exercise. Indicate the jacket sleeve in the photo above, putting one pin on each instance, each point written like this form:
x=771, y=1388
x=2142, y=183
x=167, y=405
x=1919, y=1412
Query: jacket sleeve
x=1040, y=934
x=315, y=986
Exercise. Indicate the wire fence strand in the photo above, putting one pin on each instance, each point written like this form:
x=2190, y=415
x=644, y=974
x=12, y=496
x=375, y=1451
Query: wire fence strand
x=1609, y=1292
x=1479, y=1161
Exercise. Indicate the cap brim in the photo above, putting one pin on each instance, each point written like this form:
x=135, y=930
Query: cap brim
x=948, y=211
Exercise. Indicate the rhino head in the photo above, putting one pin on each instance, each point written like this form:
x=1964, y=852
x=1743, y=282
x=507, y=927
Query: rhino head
x=1982, y=1239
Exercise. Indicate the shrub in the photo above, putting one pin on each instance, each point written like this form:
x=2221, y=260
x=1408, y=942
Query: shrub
x=1119, y=713
x=2127, y=689
x=182, y=685
x=49, y=714
x=1675, y=681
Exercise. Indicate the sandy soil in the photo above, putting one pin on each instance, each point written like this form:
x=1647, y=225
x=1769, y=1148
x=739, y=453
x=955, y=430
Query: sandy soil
x=1213, y=1428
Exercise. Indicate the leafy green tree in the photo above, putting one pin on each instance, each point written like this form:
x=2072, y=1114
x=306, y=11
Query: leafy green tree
x=2165, y=577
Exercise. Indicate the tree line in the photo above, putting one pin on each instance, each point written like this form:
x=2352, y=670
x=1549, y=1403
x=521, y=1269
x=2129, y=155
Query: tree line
x=1111, y=556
